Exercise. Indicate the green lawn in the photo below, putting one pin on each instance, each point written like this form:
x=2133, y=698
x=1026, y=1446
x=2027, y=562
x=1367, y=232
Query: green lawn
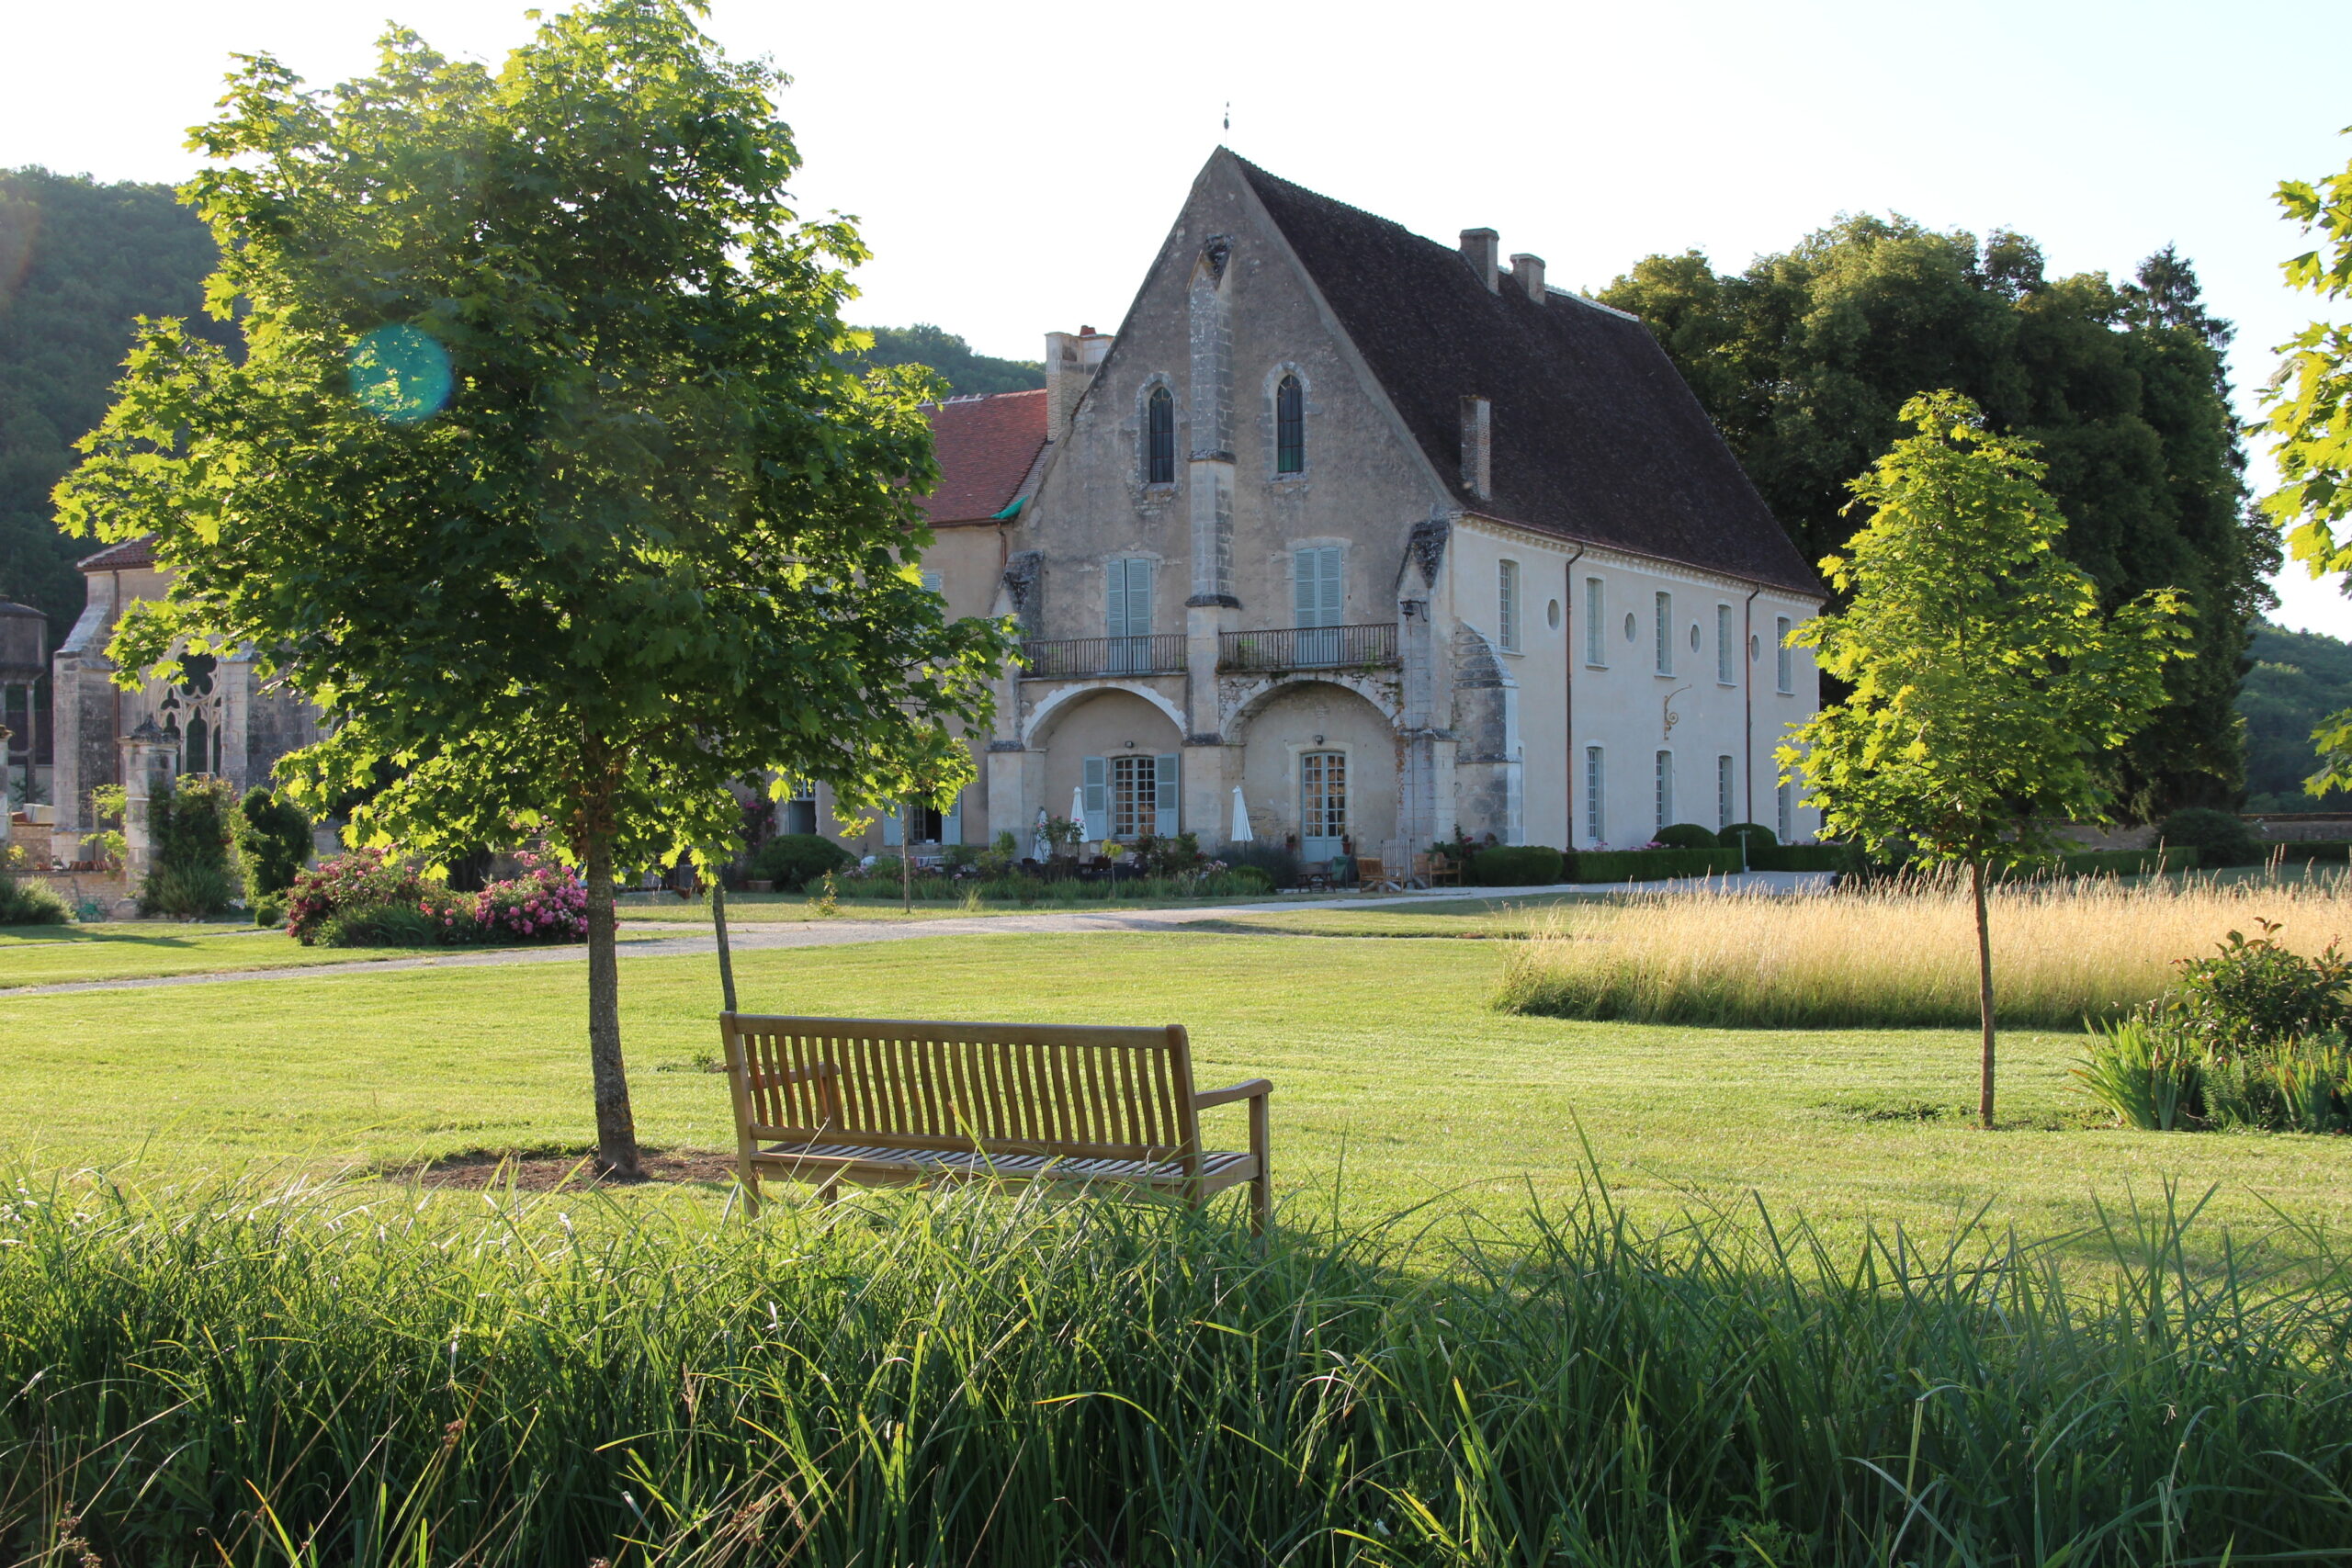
x=56, y=955
x=1385, y=1056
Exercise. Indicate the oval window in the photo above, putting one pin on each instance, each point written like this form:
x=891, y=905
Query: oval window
x=1552, y=615
x=1755, y=649
x=1694, y=637
x=1631, y=631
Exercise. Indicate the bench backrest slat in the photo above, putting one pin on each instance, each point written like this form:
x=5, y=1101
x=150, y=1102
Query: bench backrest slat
x=1003, y=1087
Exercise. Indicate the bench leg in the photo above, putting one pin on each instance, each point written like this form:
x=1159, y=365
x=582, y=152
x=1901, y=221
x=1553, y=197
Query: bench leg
x=750, y=1181
x=829, y=1191
x=1261, y=1190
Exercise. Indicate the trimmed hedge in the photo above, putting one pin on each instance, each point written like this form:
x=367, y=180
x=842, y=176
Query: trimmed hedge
x=1515, y=865
x=1686, y=835
x=2127, y=862
x=1649, y=866
x=792, y=860
x=2310, y=849
x=1804, y=857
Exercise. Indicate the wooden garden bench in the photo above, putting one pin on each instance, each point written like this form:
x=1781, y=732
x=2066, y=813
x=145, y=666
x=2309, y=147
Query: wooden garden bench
x=885, y=1102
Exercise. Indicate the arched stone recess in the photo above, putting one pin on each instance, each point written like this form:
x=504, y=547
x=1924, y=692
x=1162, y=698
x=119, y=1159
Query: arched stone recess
x=1242, y=697
x=1269, y=732
x=1043, y=717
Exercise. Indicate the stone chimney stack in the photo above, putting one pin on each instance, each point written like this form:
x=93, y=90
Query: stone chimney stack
x=1479, y=448
x=1071, y=359
x=1480, y=247
x=1528, y=273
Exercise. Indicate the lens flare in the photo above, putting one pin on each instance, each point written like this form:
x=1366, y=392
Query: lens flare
x=400, y=374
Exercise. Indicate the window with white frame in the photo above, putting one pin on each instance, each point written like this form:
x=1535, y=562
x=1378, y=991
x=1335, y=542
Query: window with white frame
x=931, y=583
x=1664, y=634
x=1129, y=795
x=1506, y=605
x=1665, y=788
x=1786, y=828
x=1723, y=645
x=1784, y=667
x=1595, y=605
x=1723, y=792
x=1595, y=818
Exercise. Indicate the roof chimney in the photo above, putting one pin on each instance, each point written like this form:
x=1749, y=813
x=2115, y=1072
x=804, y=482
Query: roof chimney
x=1528, y=273
x=1071, y=359
x=1479, y=248
x=1478, y=447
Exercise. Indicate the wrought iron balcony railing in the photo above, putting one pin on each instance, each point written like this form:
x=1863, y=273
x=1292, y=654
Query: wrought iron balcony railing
x=1308, y=647
x=1080, y=658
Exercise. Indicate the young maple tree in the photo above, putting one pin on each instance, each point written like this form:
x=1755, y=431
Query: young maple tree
x=537, y=474
x=1986, y=680
x=2310, y=414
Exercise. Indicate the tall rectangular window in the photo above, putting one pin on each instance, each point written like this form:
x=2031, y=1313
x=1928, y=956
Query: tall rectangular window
x=1786, y=828
x=1595, y=605
x=1127, y=612
x=1595, y=819
x=1315, y=579
x=1784, y=666
x=1665, y=788
x=1135, y=794
x=1160, y=438
x=1666, y=634
x=1722, y=793
x=1723, y=645
x=1127, y=615
x=1506, y=605
x=1290, y=427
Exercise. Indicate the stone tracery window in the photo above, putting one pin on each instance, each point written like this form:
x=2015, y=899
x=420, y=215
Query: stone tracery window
x=1290, y=427
x=1159, y=437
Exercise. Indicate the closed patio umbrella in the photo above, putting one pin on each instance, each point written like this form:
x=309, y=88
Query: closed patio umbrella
x=1241, y=834
x=1078, y=807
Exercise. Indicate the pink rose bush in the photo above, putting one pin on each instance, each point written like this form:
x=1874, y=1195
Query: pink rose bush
x=362, y=899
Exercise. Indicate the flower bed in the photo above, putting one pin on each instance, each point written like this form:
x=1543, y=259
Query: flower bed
x=362, y=899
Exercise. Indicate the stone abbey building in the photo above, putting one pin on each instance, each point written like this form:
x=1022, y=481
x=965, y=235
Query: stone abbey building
x=1389, y=535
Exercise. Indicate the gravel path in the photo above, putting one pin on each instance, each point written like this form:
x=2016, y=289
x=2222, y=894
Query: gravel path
x=759, y=935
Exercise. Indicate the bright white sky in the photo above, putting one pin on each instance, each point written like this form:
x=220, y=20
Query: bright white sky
x=1016, y=164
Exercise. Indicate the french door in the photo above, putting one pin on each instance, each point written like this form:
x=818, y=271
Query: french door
x=1322, y=805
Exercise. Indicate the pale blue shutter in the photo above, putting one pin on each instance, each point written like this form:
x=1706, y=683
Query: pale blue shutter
x=1098, y=798
x=1164, y=771
x=1138, y=598
x=951, y=824
x=894, y=824
x=1316, y=598
x=1114, y=610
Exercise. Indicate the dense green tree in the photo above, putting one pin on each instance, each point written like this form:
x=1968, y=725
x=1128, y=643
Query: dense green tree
x=539, y=477
x=1983, y=681
x=2310, y=405
x=2299, y=679
x=79, y=264
x=1806, y=358
x=966, y=374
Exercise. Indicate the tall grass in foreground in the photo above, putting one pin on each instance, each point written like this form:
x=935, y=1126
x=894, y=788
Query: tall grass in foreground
x=1900, y=955
x=238, y=1376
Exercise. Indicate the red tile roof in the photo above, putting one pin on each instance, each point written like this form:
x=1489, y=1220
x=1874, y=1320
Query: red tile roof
x=127, y=555
x=986, y=448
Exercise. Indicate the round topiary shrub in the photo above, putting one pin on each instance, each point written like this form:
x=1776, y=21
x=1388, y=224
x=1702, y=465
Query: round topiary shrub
x=1756, y=836
x=1686, y=835
x=31, y=903
x=2219, y=837
x=792, y=860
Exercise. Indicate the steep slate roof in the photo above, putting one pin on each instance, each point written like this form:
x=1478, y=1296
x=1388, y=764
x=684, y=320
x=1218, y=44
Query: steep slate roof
x=124, y=557
x=988, y=448
x=1595, y=435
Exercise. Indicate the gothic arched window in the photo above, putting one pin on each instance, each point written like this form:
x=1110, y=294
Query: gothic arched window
x=1160, y=438
x=1290, y=427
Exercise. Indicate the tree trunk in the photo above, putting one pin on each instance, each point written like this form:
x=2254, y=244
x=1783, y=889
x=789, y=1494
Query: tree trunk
x=1984, y=1000
x=616, y=1127
x=726, y=958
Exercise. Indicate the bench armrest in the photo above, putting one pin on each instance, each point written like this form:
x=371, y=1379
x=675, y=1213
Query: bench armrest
x=1255, y=1089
